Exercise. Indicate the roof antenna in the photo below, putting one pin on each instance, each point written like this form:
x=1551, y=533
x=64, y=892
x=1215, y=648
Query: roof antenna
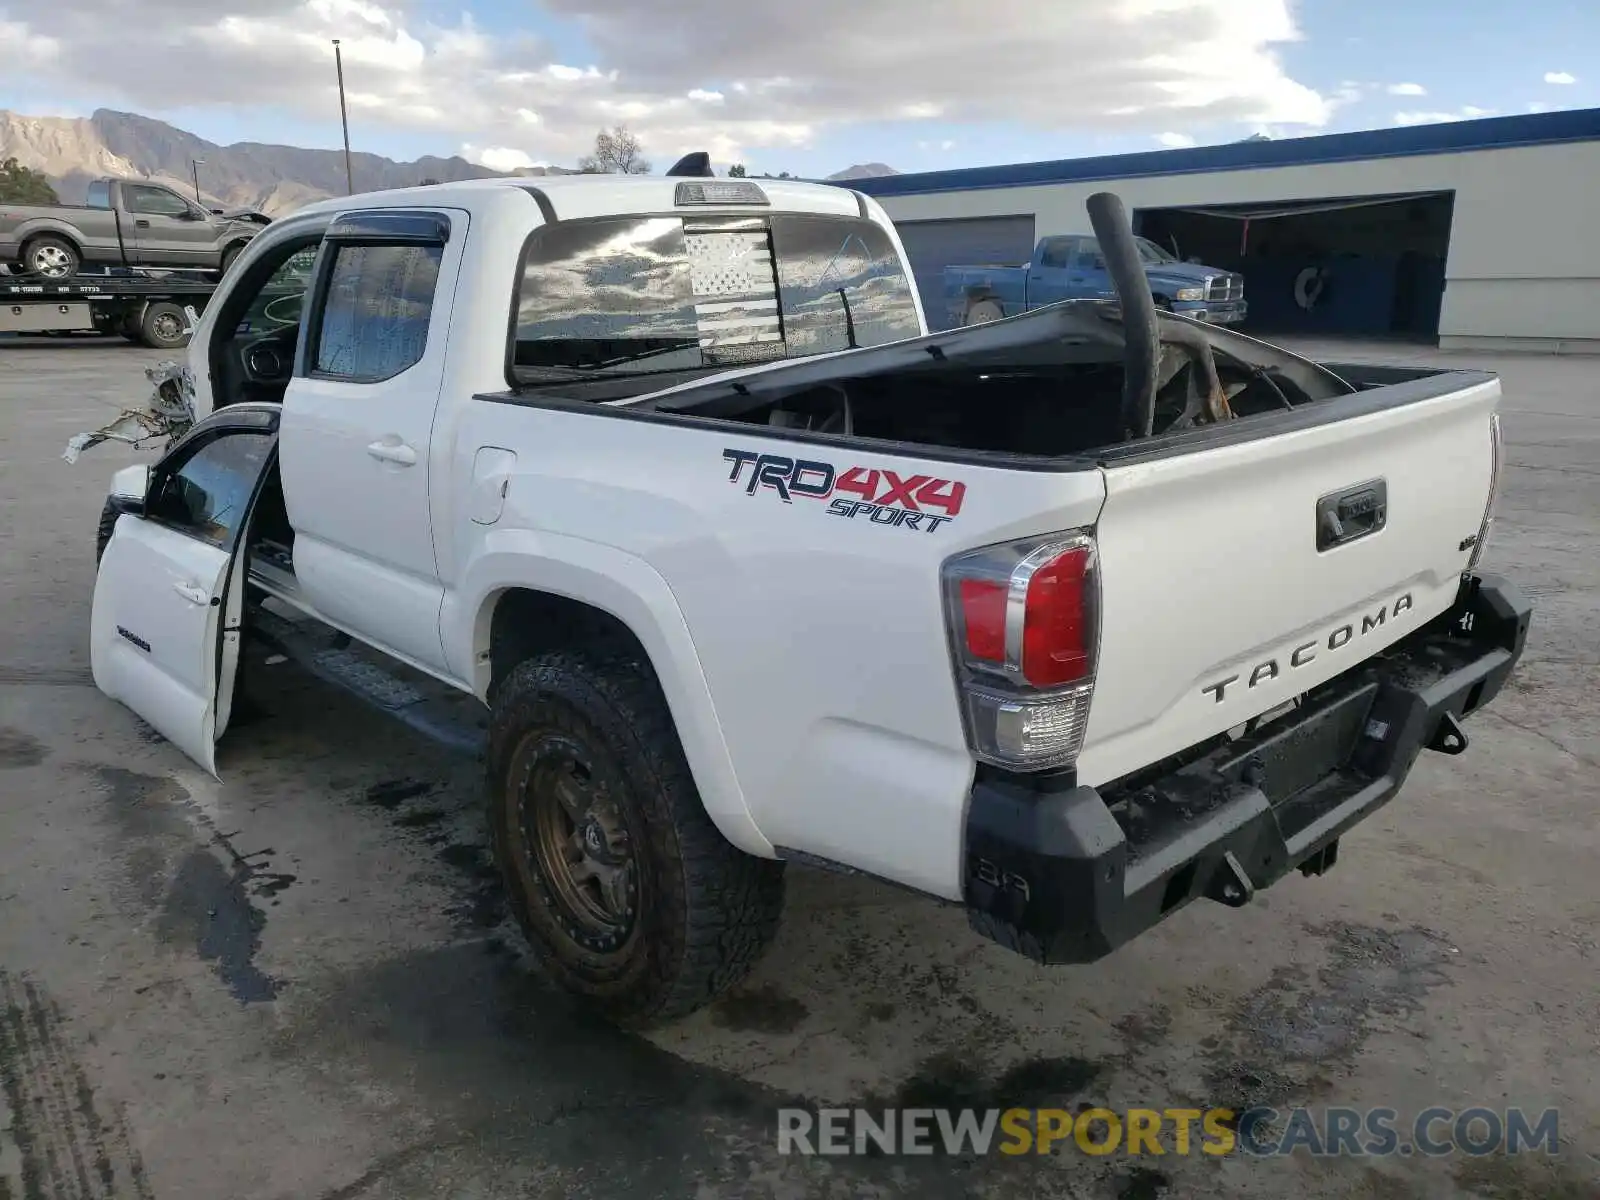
x=693, y=166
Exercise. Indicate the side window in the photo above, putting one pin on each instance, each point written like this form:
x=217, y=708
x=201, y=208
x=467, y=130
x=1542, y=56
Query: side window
x=99, y=195
x=1088, y=257
x=376, y=310
x=1057, y=252
x=277, y=305
x=153, y=201
x=207, y=494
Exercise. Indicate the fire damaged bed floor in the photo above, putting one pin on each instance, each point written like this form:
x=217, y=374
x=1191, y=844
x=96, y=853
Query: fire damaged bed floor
x=301, y=983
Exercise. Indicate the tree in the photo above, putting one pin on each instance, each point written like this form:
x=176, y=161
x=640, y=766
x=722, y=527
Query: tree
x=736, y=171
x=430, y=182
x=24, y=185
x=616, y=152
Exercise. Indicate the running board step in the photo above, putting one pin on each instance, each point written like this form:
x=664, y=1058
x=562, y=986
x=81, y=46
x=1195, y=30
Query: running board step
x=433, y=709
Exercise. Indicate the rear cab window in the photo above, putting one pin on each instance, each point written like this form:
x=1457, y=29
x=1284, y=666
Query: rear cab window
x=645, y=294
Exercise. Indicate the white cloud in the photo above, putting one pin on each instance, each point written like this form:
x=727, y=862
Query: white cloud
x=1466, y=112
x=1407, y=89
x=1538, y=106
x=1137, y=66
x=24, y=48
x=946, y=145
x=571, y=74
x=1559, y=77
x=1175, y=141
x=499, y=158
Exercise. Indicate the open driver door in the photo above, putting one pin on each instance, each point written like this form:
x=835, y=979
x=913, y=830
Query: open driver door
x=169, y=598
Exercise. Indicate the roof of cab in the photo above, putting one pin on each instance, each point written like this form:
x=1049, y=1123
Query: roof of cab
x=572, y=197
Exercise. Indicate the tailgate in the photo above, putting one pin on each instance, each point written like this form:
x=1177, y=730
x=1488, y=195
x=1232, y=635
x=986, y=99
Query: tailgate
x=1219, y=599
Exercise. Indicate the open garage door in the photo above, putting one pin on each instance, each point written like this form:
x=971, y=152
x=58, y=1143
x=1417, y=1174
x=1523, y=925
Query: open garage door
x=1357, y=265
x=931, y=246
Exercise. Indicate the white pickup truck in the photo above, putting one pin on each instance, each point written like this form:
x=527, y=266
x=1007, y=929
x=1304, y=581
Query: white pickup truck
x=658, y=492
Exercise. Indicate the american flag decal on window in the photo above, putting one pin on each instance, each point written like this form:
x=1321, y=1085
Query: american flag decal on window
x=735, y=292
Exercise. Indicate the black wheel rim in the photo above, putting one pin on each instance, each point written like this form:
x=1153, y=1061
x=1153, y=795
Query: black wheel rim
x=576, y=841
x=166, y=327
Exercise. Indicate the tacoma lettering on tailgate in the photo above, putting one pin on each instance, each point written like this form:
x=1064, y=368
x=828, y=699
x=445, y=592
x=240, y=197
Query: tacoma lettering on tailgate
x=1305, y=654
x=921, y=502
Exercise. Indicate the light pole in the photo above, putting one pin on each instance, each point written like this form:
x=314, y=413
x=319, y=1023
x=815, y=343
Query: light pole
x=194, y=166
x=344, y=119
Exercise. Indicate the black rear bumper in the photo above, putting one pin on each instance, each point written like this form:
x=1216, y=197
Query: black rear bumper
x=1068, y=875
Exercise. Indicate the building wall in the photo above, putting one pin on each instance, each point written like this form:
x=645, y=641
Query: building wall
x=1524, y=262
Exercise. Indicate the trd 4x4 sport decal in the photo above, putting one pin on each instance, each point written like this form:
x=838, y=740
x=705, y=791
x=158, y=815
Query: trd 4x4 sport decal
x=884, y=497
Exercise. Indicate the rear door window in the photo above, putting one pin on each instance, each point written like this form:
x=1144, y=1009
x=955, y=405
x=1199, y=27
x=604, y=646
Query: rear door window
x=1057, y=252
x=375, y=317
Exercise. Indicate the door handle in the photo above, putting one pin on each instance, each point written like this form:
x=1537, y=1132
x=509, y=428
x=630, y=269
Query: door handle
x=394, y=452
x=192, y=593
x=141, y=223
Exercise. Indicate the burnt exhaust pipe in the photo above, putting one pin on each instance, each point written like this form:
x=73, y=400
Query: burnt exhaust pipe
x=1142, y=339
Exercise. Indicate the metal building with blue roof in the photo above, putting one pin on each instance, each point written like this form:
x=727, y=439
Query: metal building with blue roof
x=1477, y=234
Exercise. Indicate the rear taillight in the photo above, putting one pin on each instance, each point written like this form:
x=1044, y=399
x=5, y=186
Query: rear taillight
x=1497, y=474
x=1023, y=629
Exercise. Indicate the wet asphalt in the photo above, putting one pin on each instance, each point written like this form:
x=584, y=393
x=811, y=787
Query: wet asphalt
x=300, y=982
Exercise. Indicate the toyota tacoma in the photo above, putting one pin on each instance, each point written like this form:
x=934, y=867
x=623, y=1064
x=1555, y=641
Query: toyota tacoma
x=657, y=493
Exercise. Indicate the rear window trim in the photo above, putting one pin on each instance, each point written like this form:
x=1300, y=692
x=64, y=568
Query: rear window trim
x=531, y=241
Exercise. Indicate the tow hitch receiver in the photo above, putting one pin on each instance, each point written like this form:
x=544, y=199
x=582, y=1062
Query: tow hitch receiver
x=1322, y=861
x=1449, y=738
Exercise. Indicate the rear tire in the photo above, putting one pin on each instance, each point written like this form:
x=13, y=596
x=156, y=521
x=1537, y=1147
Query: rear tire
x=983, y=312
x=627, y=892
x=163, y=326
x=51, y=257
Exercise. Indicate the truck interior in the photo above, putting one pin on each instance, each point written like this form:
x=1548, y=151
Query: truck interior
x=258, y=325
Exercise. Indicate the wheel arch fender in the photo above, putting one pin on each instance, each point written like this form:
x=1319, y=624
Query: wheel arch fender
x=32, y=231
x=630, y=591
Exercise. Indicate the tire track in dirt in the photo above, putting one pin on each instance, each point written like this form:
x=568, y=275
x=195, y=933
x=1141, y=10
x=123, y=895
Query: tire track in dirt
x=61, y=1143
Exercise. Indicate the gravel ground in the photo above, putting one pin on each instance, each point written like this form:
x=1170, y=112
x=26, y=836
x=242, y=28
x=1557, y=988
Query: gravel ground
x=298, y=982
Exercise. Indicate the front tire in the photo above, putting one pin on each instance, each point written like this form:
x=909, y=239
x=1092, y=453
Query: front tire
x=104, y=529
x=629, y=895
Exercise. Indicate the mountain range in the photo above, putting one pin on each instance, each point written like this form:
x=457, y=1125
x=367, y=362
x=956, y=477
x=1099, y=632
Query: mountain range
x=71, y=151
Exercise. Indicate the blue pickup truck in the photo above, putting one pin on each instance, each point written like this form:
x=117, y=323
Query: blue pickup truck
x=1071, y=268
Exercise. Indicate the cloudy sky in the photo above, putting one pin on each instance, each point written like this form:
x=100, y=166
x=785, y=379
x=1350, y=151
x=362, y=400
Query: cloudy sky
x=807, y=86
